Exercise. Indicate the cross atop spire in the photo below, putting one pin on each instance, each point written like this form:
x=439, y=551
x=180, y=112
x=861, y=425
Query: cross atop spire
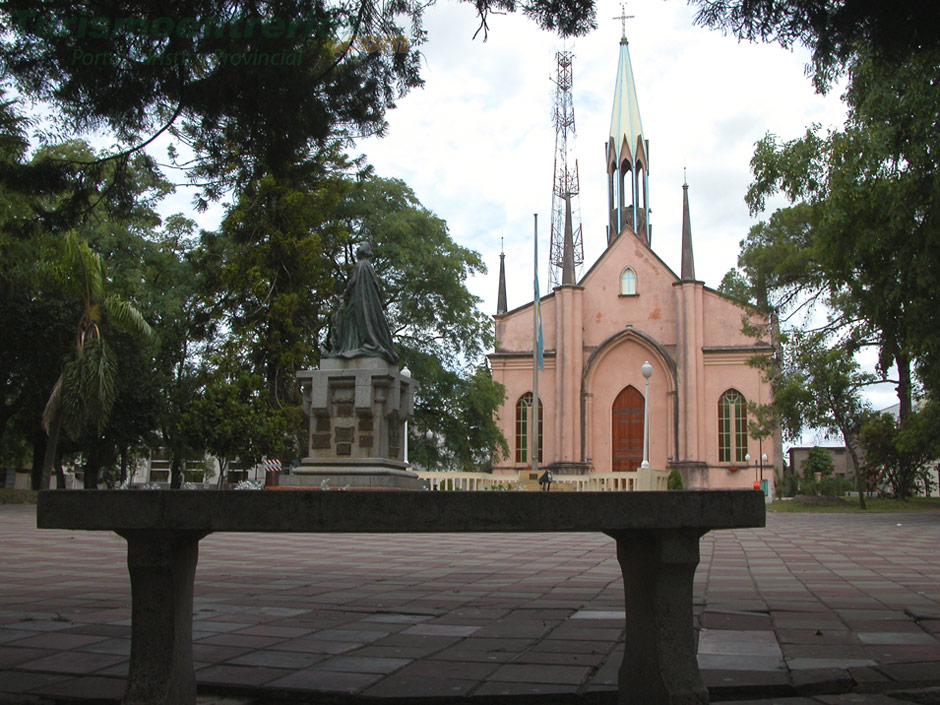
x=623, y=19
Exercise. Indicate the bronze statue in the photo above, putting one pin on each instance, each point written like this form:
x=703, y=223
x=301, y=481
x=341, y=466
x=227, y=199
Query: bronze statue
x=358, y=327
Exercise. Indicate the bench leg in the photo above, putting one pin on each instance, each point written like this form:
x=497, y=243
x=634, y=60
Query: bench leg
x=162, y=567
x=659, y=663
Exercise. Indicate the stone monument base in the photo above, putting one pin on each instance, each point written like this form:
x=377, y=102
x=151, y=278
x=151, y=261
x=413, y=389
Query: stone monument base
x=375, y=473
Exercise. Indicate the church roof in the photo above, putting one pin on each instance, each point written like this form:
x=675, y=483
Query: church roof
x=625, y=123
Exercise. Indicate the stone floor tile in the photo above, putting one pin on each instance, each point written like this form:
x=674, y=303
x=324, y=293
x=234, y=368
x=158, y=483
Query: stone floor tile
x=14, y=635
x=359, y=636
x=911, y=672
x=363, y=664
x=11, y=656
x=23, y=682
x=315, y=646
x=312, y=679
x=89, y=687
x=860, y=699
x=270, y=630
x=121, y=647
x=771, y=701
x=898, y=638
x=737, y=662
x=405, y=686
x=293, y=660
x=72, y=662
x=232, y=674
x=542, y=674
x=57, y=641
x=442, y=669
x=515, y=690
x=886, y=654
x=442, y=630
x=722, y=680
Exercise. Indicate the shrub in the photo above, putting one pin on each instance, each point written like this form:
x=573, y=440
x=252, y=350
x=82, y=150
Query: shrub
x=674, y=481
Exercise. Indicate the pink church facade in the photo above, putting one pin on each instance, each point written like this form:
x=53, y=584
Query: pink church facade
x=630, y=308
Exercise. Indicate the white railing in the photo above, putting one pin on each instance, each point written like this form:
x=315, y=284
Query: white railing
x=469, y=481
x=641, y=480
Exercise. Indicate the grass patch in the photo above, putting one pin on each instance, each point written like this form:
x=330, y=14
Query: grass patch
x=875, y=504
x=8, y=496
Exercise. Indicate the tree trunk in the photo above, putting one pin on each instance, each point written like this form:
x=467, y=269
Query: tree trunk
x=860, y=484
x=39, y=451
x=223, y=465
x=903, y=361
x=59, y=472
x=176, y=470
x=52, y=446
x=91, y=467
x=124, y=455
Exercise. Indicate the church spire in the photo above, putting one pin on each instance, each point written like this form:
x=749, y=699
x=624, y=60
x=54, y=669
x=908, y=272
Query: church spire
x=567, y=258
x=627, y=158
x=688, y=261
x=501, y=295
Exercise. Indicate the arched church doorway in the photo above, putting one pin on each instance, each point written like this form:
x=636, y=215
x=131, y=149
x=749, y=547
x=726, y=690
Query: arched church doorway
x=627, y=413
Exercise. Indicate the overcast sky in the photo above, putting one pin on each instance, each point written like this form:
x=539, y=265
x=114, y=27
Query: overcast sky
x=477, y=142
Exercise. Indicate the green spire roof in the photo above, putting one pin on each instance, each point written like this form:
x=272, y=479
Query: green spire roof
x=625, y=123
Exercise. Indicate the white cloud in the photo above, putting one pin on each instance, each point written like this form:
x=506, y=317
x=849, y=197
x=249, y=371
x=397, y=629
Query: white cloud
x=477, y=143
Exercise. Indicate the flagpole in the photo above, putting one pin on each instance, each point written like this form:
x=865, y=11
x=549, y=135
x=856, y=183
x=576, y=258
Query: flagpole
x=536, y=324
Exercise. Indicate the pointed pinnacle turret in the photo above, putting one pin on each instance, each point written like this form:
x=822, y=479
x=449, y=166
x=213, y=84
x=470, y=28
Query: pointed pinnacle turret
x=567, y=257
x=501, y=294
x=688, y=261
x=626, y=128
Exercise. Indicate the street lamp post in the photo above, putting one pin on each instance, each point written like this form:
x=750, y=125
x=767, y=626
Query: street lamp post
x=405, y=372
x=647, y=370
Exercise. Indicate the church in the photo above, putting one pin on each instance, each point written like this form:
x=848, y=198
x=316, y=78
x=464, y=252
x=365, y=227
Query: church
x=629, y=308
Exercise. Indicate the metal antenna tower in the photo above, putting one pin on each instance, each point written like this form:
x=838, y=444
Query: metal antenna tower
x=565, y=187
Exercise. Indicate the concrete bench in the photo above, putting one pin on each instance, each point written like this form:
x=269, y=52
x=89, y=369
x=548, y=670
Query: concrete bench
x=657, y=535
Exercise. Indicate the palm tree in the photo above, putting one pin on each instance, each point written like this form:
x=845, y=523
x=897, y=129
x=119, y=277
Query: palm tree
x=84, y=392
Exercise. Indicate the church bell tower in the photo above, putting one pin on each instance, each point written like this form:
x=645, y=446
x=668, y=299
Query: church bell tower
x=627, y=154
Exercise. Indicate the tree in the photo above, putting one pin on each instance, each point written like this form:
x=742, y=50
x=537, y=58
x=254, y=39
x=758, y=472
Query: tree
x=906, y=449
x=84, y=393
x=820, y=387
x=872, y=210
x=435, y=321
x=818, y=463
x=249, y=88
x=269, y=267
x=231, y=416
x=40, y=266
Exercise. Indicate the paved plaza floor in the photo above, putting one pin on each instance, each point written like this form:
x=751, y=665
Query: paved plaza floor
x=814, y=608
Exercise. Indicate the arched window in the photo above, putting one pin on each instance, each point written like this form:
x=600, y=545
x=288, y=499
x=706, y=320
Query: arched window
x=523, y=414
x=628, y=282
x=732, y=427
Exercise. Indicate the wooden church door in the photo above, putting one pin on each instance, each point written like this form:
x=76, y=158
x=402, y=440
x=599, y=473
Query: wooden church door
x=627, y=430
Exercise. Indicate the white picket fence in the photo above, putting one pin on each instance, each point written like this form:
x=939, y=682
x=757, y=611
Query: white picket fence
x=638, y=481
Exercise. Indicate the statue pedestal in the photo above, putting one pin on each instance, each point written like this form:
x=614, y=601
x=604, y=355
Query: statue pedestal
x=357, y=410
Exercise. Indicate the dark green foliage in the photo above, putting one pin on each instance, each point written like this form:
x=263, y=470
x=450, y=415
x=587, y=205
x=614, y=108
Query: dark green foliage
x=863, y=236
x=233, y=419
x=251, y=88
x=903, y=452
x=674, y=481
